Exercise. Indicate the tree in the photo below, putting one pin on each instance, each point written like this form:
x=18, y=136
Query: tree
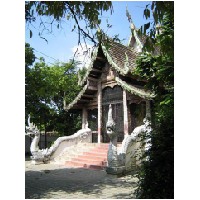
x=29, y=55
x=86, y=11
x=156, y=65
x=46, y=89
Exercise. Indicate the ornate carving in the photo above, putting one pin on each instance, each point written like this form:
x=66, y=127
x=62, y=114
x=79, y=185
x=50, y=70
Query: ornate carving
x=125, y=159
x=37, y=154
x=112, y=150
x=44, y=155
x=110, y=125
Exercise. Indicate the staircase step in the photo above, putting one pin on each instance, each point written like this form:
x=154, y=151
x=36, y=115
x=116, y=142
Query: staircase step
x=93, y=154
x=81, y=163
x=85, y=155
x=96, y=157
x=89, y=159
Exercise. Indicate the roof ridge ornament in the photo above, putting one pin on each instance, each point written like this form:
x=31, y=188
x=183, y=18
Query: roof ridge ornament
x=133, y=33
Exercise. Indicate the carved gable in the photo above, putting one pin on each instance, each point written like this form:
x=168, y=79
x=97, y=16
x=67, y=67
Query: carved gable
x=108, y=73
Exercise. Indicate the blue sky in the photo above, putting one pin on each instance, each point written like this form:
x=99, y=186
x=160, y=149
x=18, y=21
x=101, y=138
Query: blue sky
x=61, y=42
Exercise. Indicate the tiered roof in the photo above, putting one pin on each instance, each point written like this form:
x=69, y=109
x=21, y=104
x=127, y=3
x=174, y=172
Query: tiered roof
x=121, y=58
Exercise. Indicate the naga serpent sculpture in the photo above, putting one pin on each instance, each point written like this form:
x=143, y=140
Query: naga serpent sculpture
x=44, y=155
x=121, y=161
x=37, y=154
x=112, y=149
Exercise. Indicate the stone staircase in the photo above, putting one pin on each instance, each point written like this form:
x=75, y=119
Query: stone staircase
x=84, y=155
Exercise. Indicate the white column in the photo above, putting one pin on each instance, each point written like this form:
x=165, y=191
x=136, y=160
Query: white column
x=99, y=101
x=84, y=118
x=125, y=113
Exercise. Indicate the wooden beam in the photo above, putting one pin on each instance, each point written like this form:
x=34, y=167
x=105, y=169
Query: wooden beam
x=125, y=113
x=93, y=75
x=88, y=96
x=92, y=88
x=84, y=100
x=96, y=70
x=99, y=100
x=101, y=59
x=93, y=79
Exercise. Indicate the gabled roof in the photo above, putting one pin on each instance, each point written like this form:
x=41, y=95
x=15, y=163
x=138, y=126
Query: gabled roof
x=120, y=57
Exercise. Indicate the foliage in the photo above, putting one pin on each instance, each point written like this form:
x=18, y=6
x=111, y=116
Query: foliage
x=156, y=65
x=87, y=11
x=29, y=55
x=46, y=89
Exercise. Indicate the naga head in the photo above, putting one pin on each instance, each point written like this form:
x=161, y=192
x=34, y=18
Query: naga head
x=110, y=125
x=31, y=129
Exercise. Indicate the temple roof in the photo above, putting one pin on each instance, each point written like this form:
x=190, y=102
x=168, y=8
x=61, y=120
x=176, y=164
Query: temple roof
x=121, y=58
x=144, y=94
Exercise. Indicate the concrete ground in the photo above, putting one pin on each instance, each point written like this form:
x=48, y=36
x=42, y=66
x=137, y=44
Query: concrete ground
x=50, y=181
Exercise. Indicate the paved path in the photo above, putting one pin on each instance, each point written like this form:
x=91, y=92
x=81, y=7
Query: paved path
x=49, y=181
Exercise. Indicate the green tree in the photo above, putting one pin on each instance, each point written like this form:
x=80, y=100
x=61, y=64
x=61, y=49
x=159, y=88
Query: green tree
x=29, y=55
x=46, y=89
x=156, y=65
x=58, y=11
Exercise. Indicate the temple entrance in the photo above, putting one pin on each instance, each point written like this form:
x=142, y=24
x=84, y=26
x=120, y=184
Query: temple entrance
x=113, y=96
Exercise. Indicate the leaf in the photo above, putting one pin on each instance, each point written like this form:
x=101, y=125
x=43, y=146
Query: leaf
x=147, y=13
x=73, y=28
x=147, y=25
x=152, y=6
x=31, y=34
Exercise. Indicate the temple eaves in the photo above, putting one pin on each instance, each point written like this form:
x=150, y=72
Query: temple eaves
x=120, y=58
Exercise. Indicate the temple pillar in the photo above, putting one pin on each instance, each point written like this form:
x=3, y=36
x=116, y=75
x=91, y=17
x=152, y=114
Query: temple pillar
x=99, y=100
x=125, y=113
x=148, y=110
x=84, y=118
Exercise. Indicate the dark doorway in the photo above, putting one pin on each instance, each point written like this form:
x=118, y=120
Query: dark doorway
x=113, y=96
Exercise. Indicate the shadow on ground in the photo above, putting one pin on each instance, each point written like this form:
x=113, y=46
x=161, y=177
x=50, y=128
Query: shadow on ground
x=68, y=181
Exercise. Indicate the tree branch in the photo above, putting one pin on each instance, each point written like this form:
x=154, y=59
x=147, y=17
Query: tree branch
x=80, y=30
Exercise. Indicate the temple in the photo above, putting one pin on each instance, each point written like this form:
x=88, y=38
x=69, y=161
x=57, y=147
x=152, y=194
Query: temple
x=110, y=79
x=115, y=109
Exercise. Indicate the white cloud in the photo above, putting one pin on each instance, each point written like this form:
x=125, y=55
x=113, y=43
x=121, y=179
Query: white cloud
x=83, y=54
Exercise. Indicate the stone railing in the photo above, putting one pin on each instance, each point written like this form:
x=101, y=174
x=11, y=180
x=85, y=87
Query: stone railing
x=127, y=158
x=45, y=155
x=82, y=136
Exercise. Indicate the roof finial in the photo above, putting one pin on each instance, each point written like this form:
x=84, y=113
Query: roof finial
x=130, y=19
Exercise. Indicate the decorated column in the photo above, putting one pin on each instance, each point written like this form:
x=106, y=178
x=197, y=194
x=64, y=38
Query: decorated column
x=99, y=97
x=125, y=113
x=84, y=118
